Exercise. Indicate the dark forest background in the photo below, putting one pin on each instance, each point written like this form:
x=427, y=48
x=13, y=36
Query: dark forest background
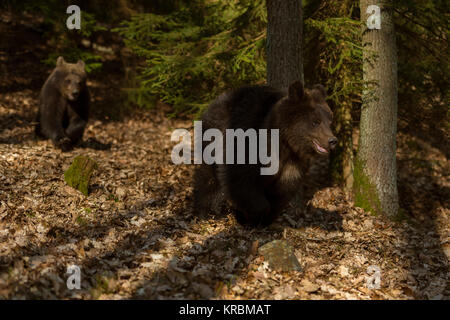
x=185, y=53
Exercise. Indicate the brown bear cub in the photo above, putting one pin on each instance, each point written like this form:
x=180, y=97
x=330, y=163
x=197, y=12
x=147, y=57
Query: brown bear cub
x=64, y=105
x=303, y=119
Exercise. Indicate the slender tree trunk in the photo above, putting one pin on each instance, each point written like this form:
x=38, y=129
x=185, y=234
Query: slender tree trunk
x=284, y=42
x=375, y=168
x=341, y=160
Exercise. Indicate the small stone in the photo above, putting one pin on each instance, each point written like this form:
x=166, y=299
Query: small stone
x=237, y=289
x=203, y=290
x=284, y=292
x=121, y=192
x=280, y=255
x=308, y=286
x=368, y=223
x=343, y=271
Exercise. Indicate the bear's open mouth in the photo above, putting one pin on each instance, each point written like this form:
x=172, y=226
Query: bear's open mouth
x=72, y=97
x=319, y=148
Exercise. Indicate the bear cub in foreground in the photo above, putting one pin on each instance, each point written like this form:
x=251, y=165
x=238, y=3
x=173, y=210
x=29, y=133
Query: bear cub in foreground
x=303, y=118
x=64, y=105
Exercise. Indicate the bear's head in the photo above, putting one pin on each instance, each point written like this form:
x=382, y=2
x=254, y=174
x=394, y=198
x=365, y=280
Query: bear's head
x=305, y=120
x=71, y=78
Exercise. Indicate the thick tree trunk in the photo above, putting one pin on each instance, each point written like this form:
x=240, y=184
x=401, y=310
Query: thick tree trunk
x=375, y=168
x=284, y=42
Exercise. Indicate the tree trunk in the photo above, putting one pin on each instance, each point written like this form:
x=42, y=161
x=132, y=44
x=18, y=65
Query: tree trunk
x=375, y=172
x=284, y=42
x=341, y=159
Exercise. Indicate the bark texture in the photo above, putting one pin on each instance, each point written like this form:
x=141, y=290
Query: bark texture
x=342, y=159
x=375, y=167
x=284, y=42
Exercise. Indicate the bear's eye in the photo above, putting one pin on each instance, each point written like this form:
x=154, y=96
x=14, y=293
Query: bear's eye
x=316, y=122
x=67, y=81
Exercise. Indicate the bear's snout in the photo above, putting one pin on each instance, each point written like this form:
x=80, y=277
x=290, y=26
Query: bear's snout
x=332, y=142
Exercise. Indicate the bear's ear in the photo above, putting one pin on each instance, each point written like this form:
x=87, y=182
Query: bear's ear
x=296, y=91
x=81, y=64
x=60, y=62
x=321, y=89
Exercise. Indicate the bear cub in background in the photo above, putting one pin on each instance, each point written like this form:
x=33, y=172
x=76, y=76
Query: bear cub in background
x=64, y=105
x=303, y=119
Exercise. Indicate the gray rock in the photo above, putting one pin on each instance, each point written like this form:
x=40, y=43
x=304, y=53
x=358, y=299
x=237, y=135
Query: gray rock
x=280, y=256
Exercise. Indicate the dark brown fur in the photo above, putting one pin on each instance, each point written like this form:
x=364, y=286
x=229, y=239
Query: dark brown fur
x=303, y=119
x=64, y=105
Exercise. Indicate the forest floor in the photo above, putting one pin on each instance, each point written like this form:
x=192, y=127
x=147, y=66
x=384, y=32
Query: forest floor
x=135, y=235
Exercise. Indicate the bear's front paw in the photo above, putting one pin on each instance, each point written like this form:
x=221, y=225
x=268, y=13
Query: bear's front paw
x=65, y=144
x=266, y=217
x=258, y=217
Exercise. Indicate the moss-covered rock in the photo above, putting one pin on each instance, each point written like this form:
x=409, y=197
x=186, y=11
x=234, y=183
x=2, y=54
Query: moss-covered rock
x=79, y=173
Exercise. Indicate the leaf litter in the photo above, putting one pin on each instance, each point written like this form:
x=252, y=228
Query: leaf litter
x=135, y=235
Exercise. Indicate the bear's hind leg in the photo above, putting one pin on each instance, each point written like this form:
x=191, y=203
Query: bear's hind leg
x=252, y=207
